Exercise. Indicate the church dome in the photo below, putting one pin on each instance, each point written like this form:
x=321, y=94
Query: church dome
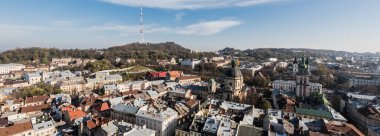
x=234, y=72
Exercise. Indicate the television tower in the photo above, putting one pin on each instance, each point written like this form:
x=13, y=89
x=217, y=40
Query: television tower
x=142, y=23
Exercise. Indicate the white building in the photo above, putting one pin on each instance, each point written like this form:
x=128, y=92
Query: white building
x=101, y=74
x=14, y=104
x=113, y=79
x=33, y=78
x=338, y=58
x=190, y=62
x=113, y=128
x=272, y=59
x=220, y=58
x=282, y=64
x=359, y=81
x=7, y=68
x=71, y=87
x=163, y=121
x=131, y=86
x=284, y=85
x=60, y=62
x=44, y=128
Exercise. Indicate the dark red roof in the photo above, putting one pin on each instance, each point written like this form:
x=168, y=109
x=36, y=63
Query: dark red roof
x=34, y=108
x=191, y=103
x=157, y=74
x=16, y=128
x=36, y=99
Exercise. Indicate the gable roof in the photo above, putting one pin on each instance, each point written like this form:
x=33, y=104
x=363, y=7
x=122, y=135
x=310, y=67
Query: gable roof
x=102, y=107
x=91, y=124
x=76, y=114
x=36, y=99
x=34, y=108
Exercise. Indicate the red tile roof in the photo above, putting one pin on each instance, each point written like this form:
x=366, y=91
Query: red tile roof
x=157, y=74
x=175, y=74
x=91, y=124
x=18, y=101
x=67, y=108
x=188, y=77
x=16, y=128
x=76, y=114
x=102, y=107
x=34, y=108
x=36, y=99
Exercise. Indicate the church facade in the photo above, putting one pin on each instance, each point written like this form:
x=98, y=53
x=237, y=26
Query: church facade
x=233, y=84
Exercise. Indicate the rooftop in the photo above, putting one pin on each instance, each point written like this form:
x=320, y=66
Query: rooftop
x=126, y=108
x=16, y=128
x=234, y=106
x=361, y=96
x=43, y=125
x=211, y=125
x=74, y=114
x=313, y=112
x=36, y=99
x=161, y=114
x=34, y=108
x=102, y=107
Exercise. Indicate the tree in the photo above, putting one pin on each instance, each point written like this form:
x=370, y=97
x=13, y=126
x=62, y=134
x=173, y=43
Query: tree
x=264, y=104
x=45, y=58
x=98, y=65
x=35, y=55
x=39, y=89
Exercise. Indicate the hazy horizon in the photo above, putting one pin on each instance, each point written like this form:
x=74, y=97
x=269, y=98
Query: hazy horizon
x=192, y=49
x=207, y=25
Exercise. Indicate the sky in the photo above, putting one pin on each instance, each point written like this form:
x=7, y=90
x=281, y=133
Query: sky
x=205, y=25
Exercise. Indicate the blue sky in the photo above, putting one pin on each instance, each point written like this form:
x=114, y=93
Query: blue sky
x=351, y=25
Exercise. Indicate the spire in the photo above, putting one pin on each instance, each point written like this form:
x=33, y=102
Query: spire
x=235, y=63
x=295, y=60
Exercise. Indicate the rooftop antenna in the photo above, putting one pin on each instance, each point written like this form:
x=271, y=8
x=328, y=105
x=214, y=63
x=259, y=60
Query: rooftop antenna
x=142, y=23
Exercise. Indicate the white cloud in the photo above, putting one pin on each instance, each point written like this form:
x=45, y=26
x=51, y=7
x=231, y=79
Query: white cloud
x=208, y=28
x=9, y=30
x=63, y=23
x=179, y=16
x=189, y=4
x=201, y=28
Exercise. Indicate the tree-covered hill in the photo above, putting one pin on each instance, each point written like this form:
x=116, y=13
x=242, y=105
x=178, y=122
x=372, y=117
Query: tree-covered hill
x=148, y=51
